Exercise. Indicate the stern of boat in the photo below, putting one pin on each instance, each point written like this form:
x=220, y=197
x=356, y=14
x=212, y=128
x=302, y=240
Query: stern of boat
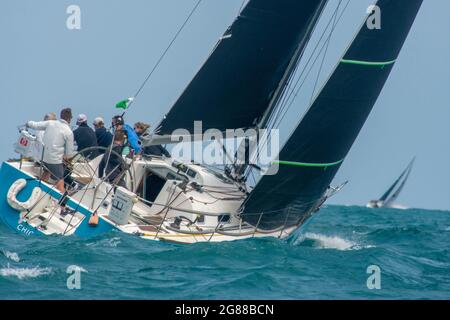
x=45, y=212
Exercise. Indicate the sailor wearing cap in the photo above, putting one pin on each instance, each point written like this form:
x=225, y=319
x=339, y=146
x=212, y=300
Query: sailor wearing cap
x=85, y=137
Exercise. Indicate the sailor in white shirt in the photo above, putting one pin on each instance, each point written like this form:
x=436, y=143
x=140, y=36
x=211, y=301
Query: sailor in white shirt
x=58, y=145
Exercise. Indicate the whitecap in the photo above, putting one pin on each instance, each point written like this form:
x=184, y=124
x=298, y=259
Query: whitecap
x=112, y=242
x=447, y=229
x=24, y=273
x=333, y=242
x=11, y=256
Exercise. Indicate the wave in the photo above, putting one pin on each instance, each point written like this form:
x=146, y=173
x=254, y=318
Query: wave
x=11, y=256
x=24, y=273
x=109, y=242
x=398, y=231
x=332, y=242
x=398, y=207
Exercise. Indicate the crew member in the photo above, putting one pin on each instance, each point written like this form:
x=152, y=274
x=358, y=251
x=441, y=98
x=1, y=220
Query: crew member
x=85, y=138
x=118, y=123
x=112, y=165
x=58, y=146
x=104, y=137
x=142, y=131
x=40, y=133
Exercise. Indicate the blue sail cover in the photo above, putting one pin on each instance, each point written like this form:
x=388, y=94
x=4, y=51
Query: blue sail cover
x=313, y=154
x=234, y=88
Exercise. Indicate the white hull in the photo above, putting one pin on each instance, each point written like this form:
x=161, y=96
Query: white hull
x=194, y=206
x=379, y=205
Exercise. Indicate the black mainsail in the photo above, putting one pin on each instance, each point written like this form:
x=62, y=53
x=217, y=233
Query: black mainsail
x=392, y=194
x=247, y=67
x=317, y=148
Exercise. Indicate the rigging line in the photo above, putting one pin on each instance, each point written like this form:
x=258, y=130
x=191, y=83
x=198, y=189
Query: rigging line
x=294, y=75
x=287, y=81
x=292, y=89
x=79, y=204
x=242, y=6
x=217, y=228
x=167, y=212
x=170, y=201
x=50, y=190
x=289, y=102
x=91, y=177
x=296, y=89
x=65, y=196
x=325, y=53
x=253, y=177
x=295, y=95
x=286, y=102
x=113, y=186
x=289, y=89
x=166, y=51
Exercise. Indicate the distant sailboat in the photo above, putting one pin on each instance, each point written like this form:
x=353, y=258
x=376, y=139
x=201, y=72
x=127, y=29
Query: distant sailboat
x=391, y=195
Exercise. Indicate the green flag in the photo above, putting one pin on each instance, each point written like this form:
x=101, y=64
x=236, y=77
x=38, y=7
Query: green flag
x=124, y=104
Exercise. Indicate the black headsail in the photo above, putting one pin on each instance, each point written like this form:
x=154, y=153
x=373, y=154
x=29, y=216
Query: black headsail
x=315, y=151
x=235, y=86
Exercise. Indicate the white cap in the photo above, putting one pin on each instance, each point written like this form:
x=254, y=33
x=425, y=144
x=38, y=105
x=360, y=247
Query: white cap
x=82, y=118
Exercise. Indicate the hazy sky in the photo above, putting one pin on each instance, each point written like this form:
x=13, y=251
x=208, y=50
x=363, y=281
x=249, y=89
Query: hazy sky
x=44, y=66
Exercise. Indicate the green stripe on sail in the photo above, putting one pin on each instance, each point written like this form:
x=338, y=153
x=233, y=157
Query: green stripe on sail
x=368, y=63
x=311, y=165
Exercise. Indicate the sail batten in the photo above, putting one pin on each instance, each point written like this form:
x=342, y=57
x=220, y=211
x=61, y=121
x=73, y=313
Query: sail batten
x=304, y=164
x=244, y=72
x=332, y=123
x=368, y=63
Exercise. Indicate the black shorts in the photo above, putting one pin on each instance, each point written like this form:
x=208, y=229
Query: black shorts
x=56, y=170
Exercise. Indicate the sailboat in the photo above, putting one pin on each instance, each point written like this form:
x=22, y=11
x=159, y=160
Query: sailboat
x=391, y=195
x=241, y=86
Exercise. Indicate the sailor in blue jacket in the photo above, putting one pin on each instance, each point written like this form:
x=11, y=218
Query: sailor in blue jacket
x=118, y=123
